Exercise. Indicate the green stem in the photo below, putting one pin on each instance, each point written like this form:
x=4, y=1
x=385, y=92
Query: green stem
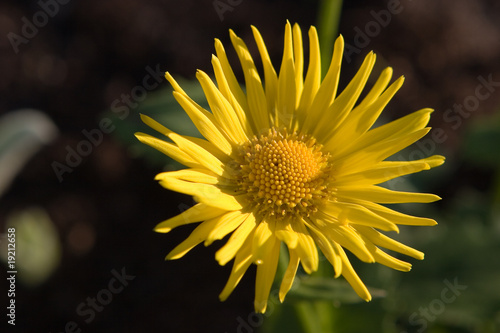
x=328, y=27
x=307, y=317
x=316, y=317
x=326, y=314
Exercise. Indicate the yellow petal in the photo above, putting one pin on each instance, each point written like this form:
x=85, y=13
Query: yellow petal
x=256, y=97
x=367, y=118
x=155, y=125
x=168, y=149
x=208, y=194
x=349, y=239
x=227, y=92
x=263, y=235
x=270, y=77
x=382, y=240
x=197, y=213
x=394, y=216
x=334, y=116
x=199, y=154
x=287, y=93
x=327, y=247
x=223, y=111
x=367, y=112
x=353, y=278
x=192, y=175
x=388, y=133
x=241, y=263
x=306, y=248
x=227, y=223
x=338, y=263
x=265, y=274
x=382, y=195
x=364, y=115
x=285, y=233
x=385, y=259
x=313, y=76
x=235, y=242
x=348, y=213
x=291, y=270
x=327, y=90
x=196, y=237
x=385, y=171
x=232, y=82
x=203, y=143
x=204, y=122
x=377, y=152
x=435, y=160
x=298, y=57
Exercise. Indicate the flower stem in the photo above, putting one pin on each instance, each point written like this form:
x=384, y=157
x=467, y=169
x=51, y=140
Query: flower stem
x=328, y=27
x=308, y=317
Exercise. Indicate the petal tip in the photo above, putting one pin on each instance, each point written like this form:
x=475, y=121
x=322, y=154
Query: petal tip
x=161, y=230
x=260, y=307
x=222, y=297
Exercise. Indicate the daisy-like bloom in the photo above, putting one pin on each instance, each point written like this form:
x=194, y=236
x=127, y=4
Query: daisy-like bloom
x=292, y=160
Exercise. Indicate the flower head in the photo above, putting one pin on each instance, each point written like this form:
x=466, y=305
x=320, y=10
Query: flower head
x=292, y=161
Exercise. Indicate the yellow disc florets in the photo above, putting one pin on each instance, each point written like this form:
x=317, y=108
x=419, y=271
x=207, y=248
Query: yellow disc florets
x=284, y=174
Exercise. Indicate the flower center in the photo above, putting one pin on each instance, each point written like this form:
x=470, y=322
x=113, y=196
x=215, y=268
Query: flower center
x=284, y=174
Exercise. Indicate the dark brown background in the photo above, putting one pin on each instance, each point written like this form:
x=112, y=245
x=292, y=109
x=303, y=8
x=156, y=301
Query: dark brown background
x=92, y=51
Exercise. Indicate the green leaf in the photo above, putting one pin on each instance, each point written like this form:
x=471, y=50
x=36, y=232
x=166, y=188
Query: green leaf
x=313, y=288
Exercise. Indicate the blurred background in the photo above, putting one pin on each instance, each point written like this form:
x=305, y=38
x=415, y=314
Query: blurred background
x=79, y=189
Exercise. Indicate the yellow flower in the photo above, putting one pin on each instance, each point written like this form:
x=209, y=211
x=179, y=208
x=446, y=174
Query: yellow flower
x=292, y=161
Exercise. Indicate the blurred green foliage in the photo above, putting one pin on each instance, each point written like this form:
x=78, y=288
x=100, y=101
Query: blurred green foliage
x=162, y=107
x=37, y=245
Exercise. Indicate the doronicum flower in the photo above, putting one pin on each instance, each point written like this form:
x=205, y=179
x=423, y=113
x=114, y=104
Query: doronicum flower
x=292, y=161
